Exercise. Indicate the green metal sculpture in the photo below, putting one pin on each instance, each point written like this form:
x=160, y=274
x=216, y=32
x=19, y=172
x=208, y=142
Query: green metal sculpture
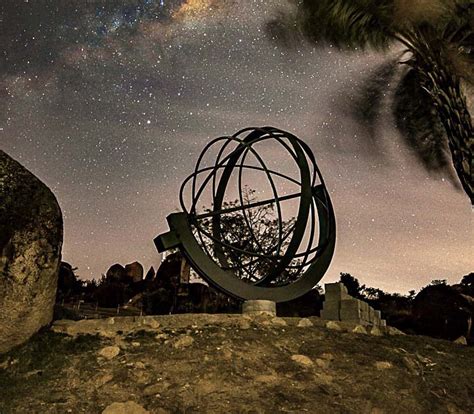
x=245, y=267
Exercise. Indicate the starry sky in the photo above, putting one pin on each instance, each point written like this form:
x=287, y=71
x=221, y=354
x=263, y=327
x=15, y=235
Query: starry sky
x=110, y=103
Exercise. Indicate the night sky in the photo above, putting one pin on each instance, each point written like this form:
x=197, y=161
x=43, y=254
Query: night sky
x=111, y=103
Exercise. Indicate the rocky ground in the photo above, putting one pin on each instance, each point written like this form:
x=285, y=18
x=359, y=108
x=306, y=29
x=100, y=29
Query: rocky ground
x=233, y=364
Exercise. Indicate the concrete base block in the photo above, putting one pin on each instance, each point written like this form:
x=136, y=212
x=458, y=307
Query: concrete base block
x=259, y=307
x=351, y=309
x=365, y=310
x=377, y=318
x=335, y=292
x=330, y=314
x=359, y=322
x=330, y=310
x=372, y=319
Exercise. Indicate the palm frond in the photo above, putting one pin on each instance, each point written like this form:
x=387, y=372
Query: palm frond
x=441, y=84
x=347, y=23
x=420, y=125
x=441, y=47
x=369, y=101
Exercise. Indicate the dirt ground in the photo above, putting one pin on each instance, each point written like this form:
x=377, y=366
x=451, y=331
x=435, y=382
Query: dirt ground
x=232, y=364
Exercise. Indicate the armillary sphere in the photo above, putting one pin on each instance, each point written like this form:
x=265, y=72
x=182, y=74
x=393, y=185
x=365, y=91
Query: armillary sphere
x=274, y=242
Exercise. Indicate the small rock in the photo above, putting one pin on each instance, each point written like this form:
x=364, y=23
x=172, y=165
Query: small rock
x=244, y=324
x=104, y=379
x=327, y=356
x=461, y=340
x=325, y=378
x=140, y=365
x=141, y=376
x=155, y=389
x=266, y=379
x=183, y=342
x=302, y=360
x=279, y=322
x=411, y=365
x=109, y=352
x=129, y=407
x=111, y=321
x=136, y=344
x=5, y=364
x=33, y=373
x=161, y=336
x=152, y=323
x=375, y=331
x=227, y=353
x=423, y=359
x=333, y=325
x=107, y=334
x=394, y=331
x=381, y=365
x=262, y=319
x=305, y=323
x=359, y=329
x=322, y=363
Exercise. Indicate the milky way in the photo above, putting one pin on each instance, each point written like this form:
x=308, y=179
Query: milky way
x=110, y=104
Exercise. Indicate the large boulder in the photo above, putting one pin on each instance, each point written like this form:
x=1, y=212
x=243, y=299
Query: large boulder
x=31, y=233
x=134, y=271
x=69, y=286
x=116, y=273
x=150, y=275
x=442, y=311
x=168, y=273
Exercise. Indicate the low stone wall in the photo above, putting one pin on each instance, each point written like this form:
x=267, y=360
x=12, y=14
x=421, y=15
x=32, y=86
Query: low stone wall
x=124, y=325
x=340, y=306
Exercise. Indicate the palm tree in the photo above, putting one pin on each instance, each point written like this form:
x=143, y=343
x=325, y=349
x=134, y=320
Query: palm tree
x=438, y=37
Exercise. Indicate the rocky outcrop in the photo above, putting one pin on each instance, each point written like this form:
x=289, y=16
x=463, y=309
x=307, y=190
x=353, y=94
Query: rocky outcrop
x=131, y=273
x=150, y=275
x=134, y=271
x=31, y=234
x=116, y=273
x=442, y=311
x=68, y=284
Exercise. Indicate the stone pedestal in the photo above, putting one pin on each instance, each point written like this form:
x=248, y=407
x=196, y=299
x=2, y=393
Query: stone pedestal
x=259, y=307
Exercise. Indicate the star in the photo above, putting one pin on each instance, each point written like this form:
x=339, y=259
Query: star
x=111, y=105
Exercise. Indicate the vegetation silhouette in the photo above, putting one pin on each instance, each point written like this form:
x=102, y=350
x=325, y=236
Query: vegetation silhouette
x=438, y=310
x=250, y=234
x=429, y=105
